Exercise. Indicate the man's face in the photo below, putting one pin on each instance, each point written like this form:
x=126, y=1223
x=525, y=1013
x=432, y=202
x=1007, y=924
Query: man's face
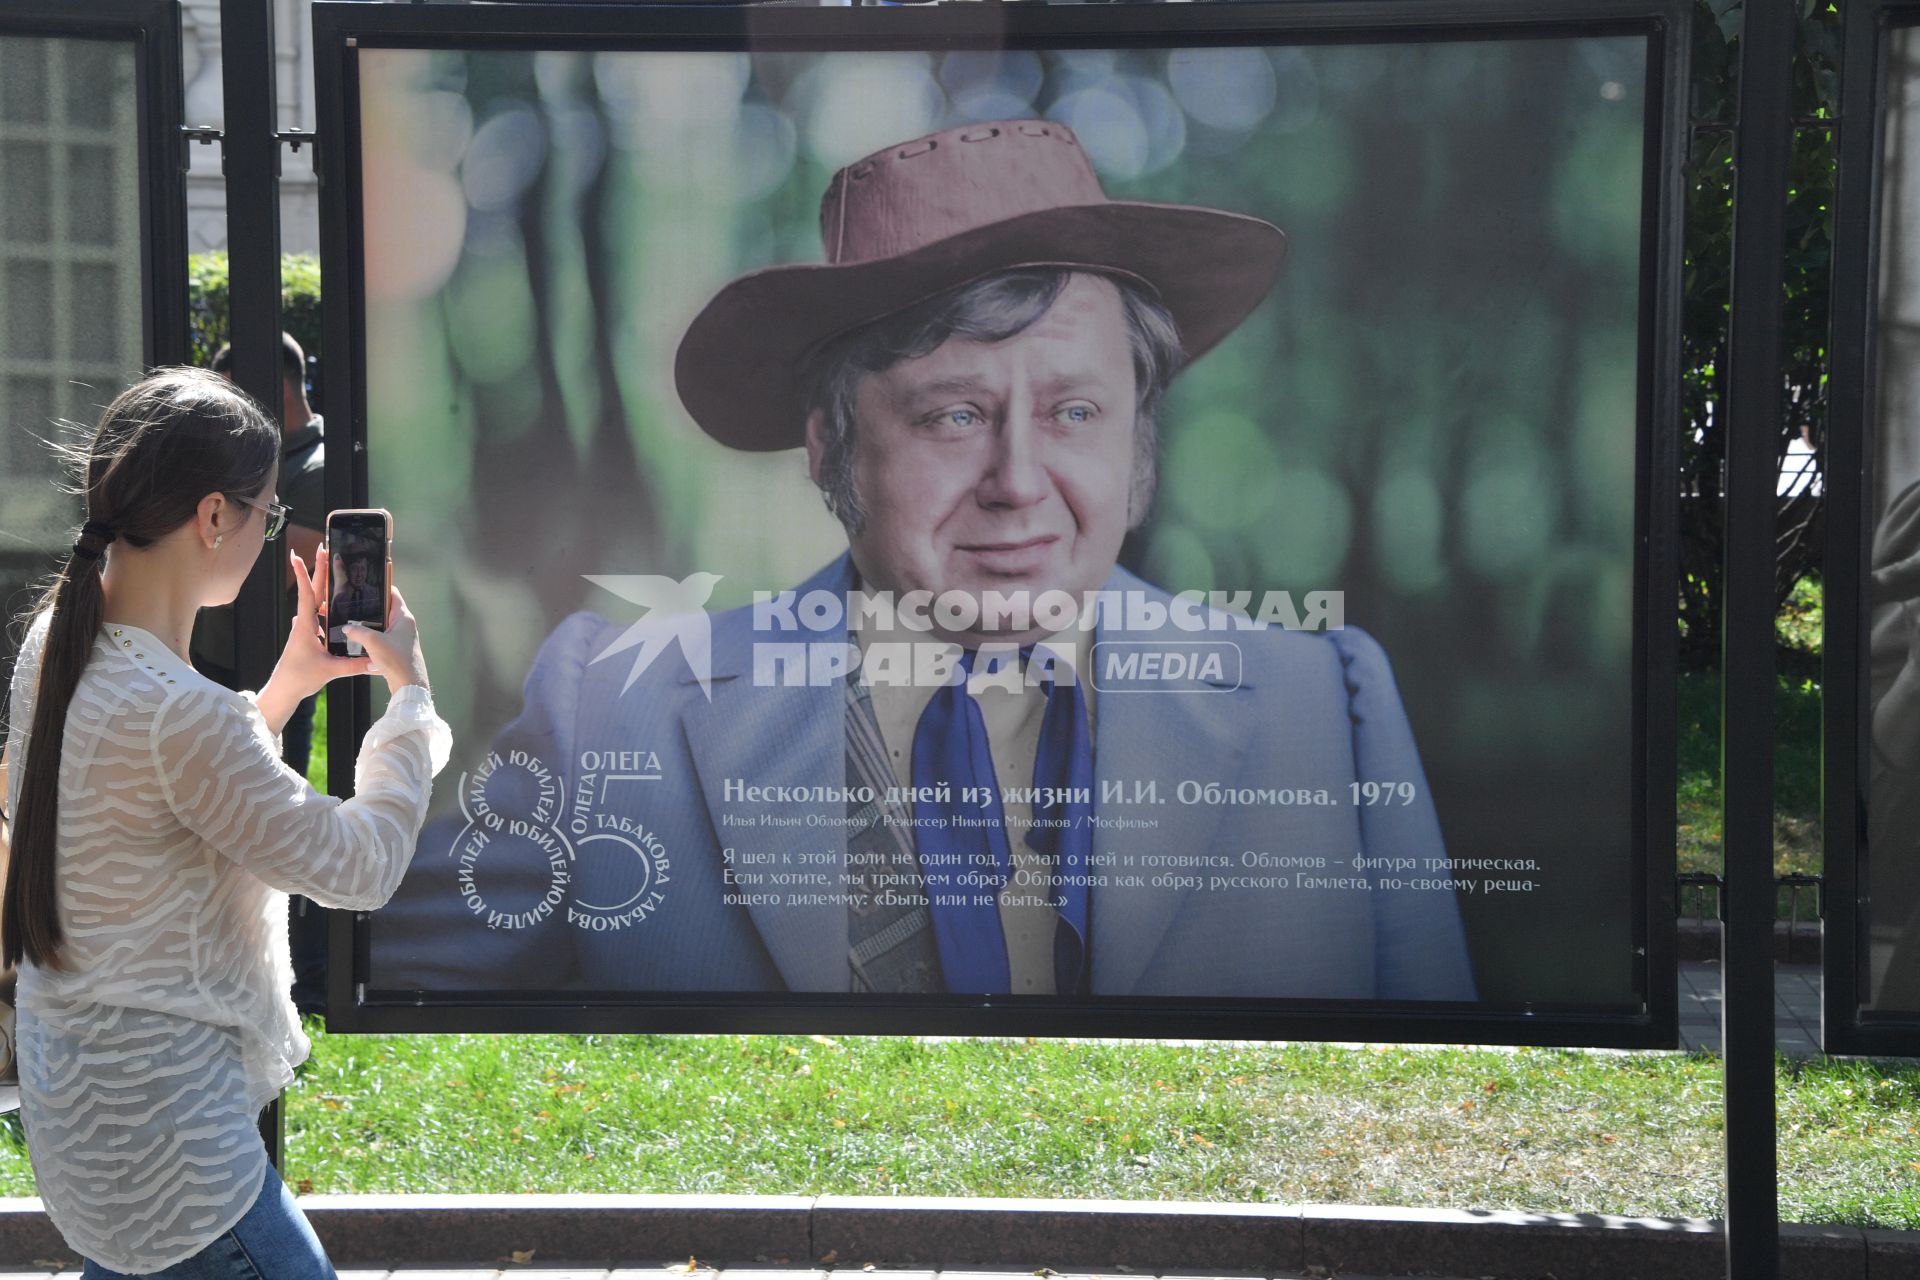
x=999, y=466
x=357, y=573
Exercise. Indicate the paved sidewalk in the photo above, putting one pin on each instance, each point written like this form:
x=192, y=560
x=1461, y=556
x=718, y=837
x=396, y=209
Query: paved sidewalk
x=1796, y=1007
x=681, y=1272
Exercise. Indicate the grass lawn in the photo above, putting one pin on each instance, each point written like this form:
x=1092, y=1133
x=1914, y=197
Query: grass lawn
x=1796, y=780
x=1545, y=1130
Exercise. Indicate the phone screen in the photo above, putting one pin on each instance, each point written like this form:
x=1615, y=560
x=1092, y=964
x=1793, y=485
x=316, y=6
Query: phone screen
x=357, y=563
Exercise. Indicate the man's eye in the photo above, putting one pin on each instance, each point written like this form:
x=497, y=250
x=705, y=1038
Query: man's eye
x=1077, y=413
x=965, y=419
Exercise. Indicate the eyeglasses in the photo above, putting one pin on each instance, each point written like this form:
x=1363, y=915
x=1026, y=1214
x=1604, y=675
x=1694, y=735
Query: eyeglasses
x=277, y=513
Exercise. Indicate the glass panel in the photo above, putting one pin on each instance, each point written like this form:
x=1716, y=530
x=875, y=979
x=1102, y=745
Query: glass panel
x=97, y=73
x=92, y=217
x=71, y=289
x=23, y=81
x=27, y=287
x=93, y=313
x=34, y=508
x=26, y=180
x=1417, y=418
x=1891, y=880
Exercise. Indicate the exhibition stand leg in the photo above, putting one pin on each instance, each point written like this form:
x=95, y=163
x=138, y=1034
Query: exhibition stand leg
x=1747, y=1028
x=250, y=150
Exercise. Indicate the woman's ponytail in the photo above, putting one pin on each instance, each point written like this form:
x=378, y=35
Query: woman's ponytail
x=30, y=917
x=162, y=446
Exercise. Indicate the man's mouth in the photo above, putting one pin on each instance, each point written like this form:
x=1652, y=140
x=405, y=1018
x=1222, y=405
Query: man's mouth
x=1012, y=557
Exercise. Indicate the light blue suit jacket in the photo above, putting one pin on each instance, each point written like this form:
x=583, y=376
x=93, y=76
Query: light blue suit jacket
x=1310, y=712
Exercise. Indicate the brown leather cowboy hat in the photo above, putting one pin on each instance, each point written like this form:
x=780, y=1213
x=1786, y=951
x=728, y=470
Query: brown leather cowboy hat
x=924, y=216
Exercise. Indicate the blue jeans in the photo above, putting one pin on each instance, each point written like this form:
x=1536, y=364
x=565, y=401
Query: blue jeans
x=272, y=1241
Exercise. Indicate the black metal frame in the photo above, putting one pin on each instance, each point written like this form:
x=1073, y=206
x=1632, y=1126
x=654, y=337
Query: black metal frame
x=1847, y=1026
x=1754, y=399
x=342, y=28
x=153, y=28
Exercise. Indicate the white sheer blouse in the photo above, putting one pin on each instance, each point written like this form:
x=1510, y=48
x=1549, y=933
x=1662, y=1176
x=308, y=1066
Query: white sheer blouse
x=145, y=1060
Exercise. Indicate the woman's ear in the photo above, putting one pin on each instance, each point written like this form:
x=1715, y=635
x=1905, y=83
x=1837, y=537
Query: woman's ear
x=211, y=519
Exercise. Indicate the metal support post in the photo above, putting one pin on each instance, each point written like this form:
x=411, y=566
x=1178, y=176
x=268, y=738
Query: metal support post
x=251, y=151
x=1746, y=964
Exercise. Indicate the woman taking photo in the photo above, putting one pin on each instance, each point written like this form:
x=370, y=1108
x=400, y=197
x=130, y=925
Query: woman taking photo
x=155, y=836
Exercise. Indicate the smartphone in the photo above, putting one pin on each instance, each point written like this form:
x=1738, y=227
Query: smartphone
x=359, y=571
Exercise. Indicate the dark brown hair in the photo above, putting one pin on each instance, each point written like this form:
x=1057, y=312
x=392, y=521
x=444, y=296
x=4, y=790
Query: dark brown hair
x=162, y=445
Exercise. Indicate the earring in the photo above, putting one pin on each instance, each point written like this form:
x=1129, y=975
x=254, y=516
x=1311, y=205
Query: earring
x=219, y=538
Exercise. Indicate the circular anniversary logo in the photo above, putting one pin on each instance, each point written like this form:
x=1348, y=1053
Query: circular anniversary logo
x=519, y=861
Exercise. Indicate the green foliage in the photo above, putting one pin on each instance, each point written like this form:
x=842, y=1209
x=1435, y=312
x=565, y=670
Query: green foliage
x=317, y=761
x=1796, y=777
x=1706, y=292
x=208, y=305
x=1801, y=622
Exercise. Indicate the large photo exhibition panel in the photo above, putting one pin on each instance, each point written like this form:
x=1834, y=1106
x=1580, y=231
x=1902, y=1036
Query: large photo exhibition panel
x=1877, y=978
x=1074, y=530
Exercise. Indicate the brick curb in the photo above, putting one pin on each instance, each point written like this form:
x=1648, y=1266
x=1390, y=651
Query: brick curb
x=1147, y=1237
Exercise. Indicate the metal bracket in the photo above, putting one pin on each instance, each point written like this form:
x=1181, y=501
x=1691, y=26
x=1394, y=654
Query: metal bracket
x=297, y=138
x=203, y=133
x=1702, y=880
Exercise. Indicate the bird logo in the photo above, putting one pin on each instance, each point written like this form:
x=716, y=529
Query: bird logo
x=674, y=611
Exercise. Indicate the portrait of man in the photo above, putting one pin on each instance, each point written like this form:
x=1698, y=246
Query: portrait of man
x=974, y=376
x=360, y=593
x=359, y=597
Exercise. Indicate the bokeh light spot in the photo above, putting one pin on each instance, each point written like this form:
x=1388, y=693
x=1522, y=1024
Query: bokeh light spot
x=504, y=158
x=1230, y=89
x=861, y=103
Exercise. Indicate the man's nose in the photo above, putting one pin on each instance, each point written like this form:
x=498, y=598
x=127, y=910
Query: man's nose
x=1016, y=475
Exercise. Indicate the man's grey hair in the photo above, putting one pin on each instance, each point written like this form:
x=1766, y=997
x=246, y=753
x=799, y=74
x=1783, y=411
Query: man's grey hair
x=990, y=309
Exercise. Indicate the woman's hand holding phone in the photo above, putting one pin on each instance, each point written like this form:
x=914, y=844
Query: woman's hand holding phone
x=305, y=666
x=395, y=652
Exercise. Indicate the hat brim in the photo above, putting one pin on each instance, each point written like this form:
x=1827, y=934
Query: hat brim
x=739, y=365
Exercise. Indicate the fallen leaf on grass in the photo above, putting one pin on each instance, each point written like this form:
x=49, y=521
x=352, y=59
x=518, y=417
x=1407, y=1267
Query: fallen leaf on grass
x=1045, y=1271
x=522, y=1256
x=690, y=1266
x=53, y=1264
x=303, y=1187
x=830, y=1257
